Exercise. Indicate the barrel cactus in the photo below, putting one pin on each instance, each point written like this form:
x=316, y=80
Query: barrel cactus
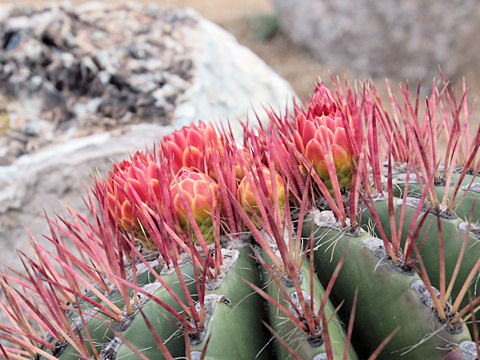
x=342, y=230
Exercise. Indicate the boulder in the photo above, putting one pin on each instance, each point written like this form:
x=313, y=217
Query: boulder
x=405, y=39
x=85, y=86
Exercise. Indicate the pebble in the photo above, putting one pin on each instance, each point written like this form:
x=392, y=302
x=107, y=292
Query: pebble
x=36, y=82
x=67, y=59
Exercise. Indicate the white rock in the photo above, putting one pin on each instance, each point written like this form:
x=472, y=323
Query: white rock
x=230, y=81
x=92, y=6
x=9, y=176
x=57, y=175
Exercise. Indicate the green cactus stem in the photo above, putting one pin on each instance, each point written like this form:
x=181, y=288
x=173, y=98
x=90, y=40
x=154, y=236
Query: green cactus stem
x=465, y=198
x=234, y=329
x=138, y=334
x=133, y=327
x=454, y=239
x=307, y=347
x=388, y=297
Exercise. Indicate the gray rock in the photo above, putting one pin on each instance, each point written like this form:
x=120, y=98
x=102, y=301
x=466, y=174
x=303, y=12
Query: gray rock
x=406, y=39
x=62, y=57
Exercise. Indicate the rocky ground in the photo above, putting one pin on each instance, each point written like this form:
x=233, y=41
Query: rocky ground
x=247, y=20
x=65, y=72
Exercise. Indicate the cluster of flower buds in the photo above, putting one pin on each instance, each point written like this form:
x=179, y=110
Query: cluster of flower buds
x=183, y=180
x=192, y=147
x=134, y=187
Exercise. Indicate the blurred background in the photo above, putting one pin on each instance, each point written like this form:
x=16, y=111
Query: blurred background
x=304, y=40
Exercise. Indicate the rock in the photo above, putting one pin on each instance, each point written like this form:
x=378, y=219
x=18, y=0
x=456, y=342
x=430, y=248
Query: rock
x=58, y=175
x=224, y=71
x=118, y=80
x=405, y=39
x=63, y=57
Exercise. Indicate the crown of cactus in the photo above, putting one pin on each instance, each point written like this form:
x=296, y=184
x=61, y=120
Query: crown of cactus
x=132, y=185
x=198, y=193
x=192, y=147
x=321, y=132
x=191, y=295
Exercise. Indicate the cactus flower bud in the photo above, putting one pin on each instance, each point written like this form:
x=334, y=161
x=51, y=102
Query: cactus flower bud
x=247, y=188
x=321, y=130
x=244, y=158
x=191, y=146
x=130, y=184
x=201, y=194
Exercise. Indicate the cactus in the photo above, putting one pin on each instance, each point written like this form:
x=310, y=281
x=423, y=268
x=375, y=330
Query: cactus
x=191, y=147
x=302, y=244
